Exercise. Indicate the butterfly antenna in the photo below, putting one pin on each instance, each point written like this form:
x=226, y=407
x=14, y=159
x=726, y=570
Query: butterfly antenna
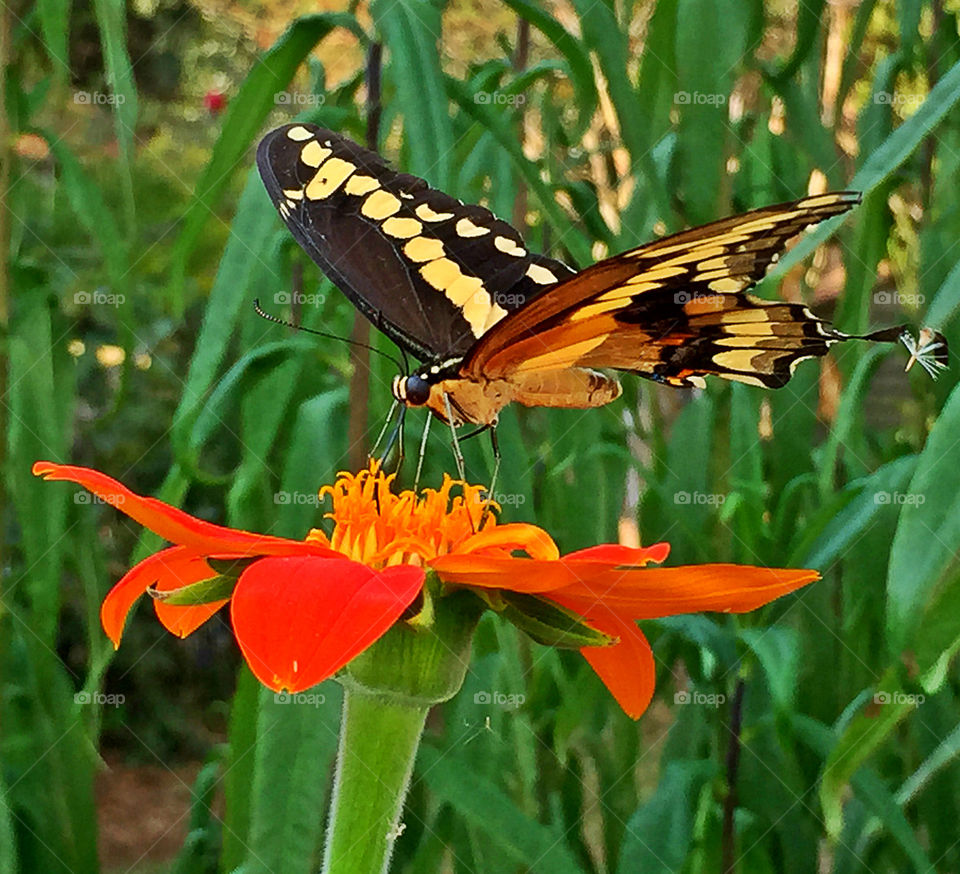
x=277, y=321
x=423, y=450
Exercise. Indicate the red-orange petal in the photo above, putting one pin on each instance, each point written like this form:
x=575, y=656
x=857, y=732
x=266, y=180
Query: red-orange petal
x=622, y=555
x=173, y=524
x=168, y=569
x=653, y=592
x=515, y=535
x=299, y=619
x=626, y=668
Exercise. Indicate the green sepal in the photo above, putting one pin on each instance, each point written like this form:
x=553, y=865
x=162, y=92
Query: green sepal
x=217, y=588
x=550, y=624
x=231, y=567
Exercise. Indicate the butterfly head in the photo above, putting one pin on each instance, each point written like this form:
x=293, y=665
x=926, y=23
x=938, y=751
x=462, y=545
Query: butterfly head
x=413, y=390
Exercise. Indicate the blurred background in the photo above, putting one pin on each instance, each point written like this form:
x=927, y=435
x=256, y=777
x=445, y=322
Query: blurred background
x=818, y=735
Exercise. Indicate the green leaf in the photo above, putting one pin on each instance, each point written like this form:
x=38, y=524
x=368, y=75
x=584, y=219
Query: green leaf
x=483, y=805
x=927, y=541
x=946, y=302
x=55, y=25
x=575, y=52
x=882, y=162
x=296, y=744
x=410, y=30
x=660, y=834
x=778, y=650
x=112, y=20
x=859, y=740
x=242, y=120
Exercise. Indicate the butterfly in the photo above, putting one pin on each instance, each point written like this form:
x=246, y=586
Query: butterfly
x=493, y=323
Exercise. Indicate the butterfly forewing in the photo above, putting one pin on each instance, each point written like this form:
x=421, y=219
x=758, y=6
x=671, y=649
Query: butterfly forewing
x=674, y=310
x=430, y=272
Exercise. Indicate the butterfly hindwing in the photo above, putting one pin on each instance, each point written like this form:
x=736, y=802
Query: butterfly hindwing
x=674, y=310
x=430, y=272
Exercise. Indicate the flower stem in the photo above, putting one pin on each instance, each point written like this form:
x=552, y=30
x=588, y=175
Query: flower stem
x=379, y=737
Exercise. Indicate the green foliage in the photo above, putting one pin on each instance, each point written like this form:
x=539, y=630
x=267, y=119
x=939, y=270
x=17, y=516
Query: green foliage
x=847, y=734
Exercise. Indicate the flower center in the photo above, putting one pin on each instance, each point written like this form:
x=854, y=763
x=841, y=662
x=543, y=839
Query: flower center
x=379, y=528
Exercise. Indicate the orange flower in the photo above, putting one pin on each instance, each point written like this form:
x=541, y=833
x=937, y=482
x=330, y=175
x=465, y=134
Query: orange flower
x=302, y=609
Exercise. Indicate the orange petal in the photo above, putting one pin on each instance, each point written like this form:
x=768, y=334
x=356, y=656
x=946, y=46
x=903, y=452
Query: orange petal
x=516, y=574
x=516, y=535
x=622, y=555
x=298, y=619
x=173, y=524
x=626, y=668
x=168, y=569
x=654, y=592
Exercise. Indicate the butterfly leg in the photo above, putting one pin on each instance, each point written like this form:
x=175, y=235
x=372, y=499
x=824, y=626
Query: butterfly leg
x=383, y=430
x=423, y=449
x=457, y=454
x=493, y=480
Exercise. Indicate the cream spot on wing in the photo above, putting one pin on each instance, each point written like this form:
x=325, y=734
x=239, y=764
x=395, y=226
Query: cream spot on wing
x=476, y=311
x=463, y=288
x=541, y=275
x=359, y=184
x=594, y=309
x=656, y=275
x=496, y=313
x=380, y=205
x=727, y=284
x=555, y=360
x=402, y=227
x=298, y=134
x=421, y=249
x=284, y=210
x=429, y=215
x=293, y=193
x=736, y=359
x=697, y=381
x=313, y=154
x=466, y=228
x=509, y=247
x=441, y=273
x=329, y=178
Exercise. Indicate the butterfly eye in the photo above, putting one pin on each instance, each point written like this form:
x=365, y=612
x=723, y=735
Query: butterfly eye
x=416, y=391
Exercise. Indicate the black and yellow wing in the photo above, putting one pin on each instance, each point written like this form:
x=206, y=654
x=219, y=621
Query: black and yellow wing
x=432, y=273
x=675, y=310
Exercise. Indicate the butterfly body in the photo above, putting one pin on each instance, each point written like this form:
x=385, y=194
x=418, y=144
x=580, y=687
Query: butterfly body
x=496, y=324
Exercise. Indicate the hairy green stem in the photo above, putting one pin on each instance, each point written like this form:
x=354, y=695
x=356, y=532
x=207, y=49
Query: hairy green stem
x=378, y=744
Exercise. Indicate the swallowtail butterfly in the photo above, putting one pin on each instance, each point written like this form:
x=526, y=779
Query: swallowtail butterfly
x=495, y=323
